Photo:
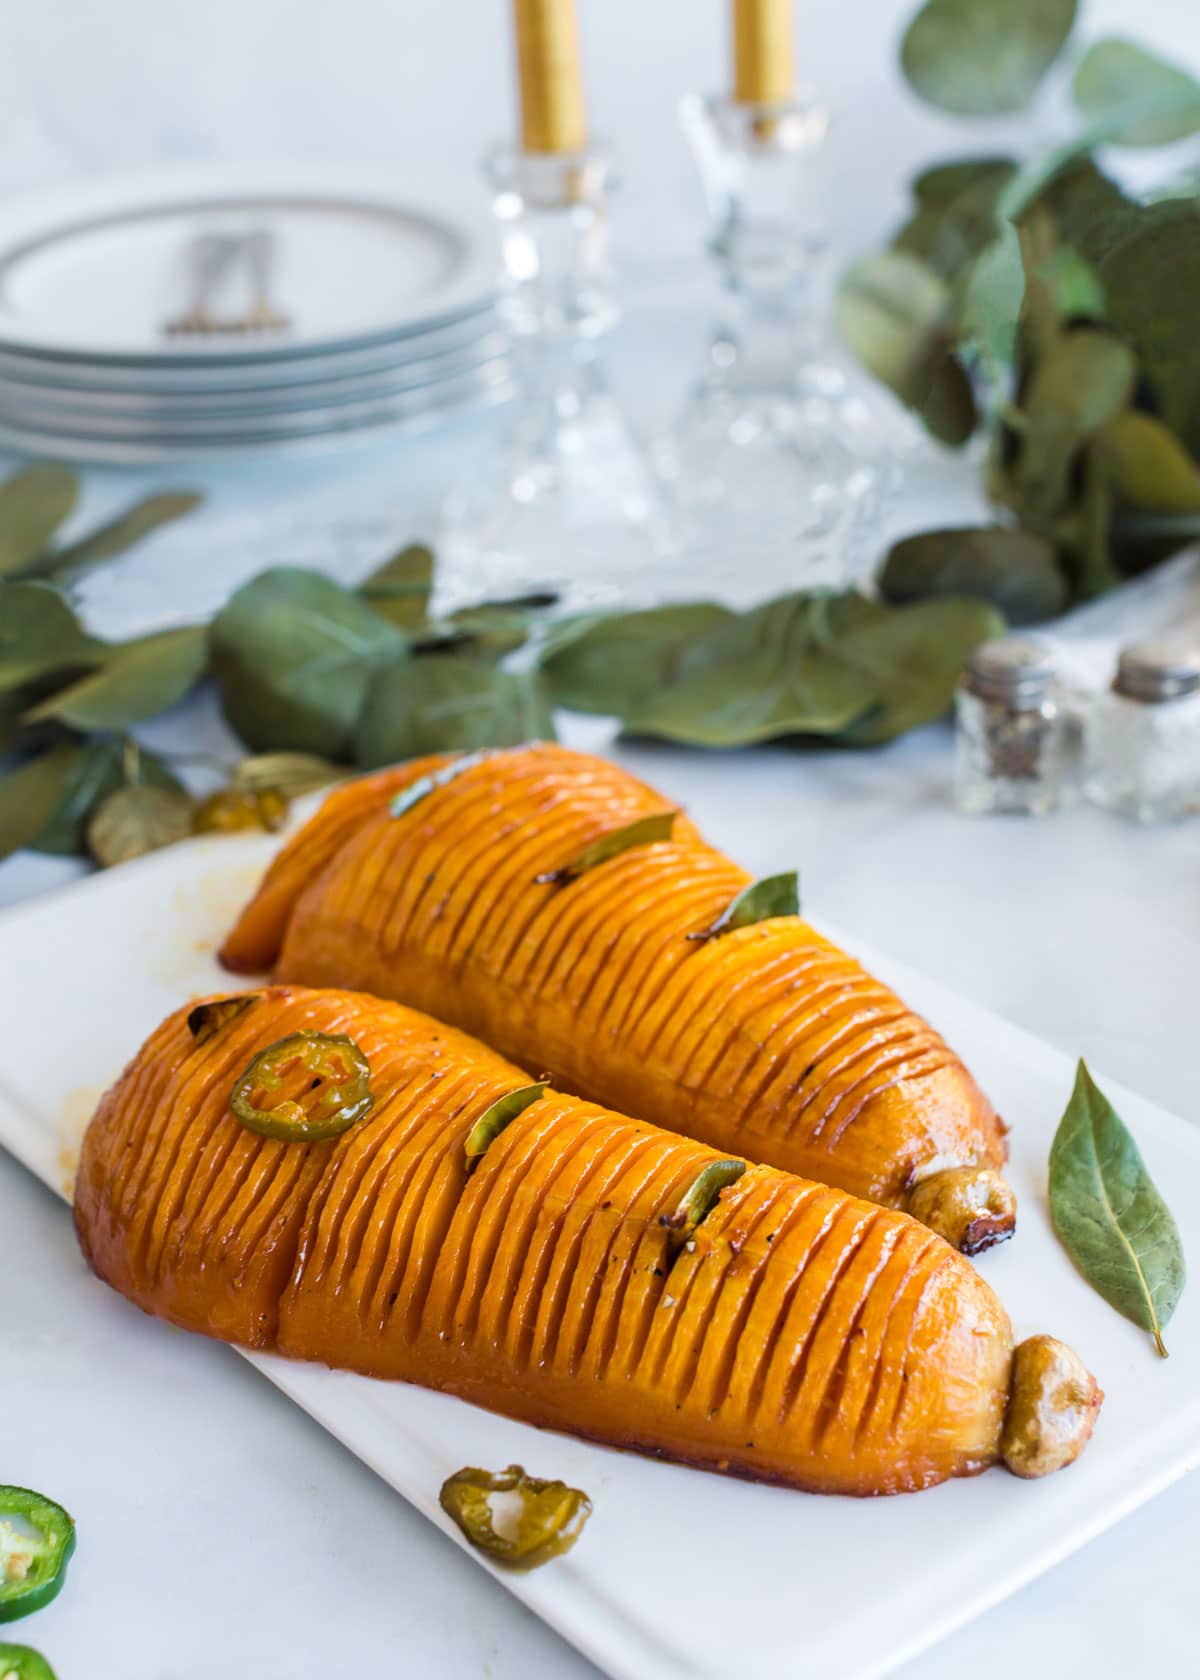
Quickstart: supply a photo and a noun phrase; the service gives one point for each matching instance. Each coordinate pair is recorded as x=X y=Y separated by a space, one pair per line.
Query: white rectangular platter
x=680 y=1575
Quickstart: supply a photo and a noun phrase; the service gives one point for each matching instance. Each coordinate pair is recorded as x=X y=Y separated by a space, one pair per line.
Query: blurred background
x=92 y=89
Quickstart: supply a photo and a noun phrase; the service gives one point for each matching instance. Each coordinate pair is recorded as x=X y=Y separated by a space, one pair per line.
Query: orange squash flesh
x=802 y=1337
x=767 y=1042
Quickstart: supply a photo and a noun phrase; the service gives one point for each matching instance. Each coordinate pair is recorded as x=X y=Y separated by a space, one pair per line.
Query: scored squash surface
x=801 y=1335
x=768 y=1041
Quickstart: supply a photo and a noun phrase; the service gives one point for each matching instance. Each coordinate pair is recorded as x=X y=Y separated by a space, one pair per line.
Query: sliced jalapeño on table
x=37 y=1538
x=22 y=1662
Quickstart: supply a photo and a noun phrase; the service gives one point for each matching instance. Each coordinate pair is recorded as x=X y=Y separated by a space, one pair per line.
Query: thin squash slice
x=546 y=1258
x=477 y=889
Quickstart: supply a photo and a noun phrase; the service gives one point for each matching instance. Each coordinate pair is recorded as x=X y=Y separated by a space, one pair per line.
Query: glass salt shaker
x=1142 y=738
x=1010 y=746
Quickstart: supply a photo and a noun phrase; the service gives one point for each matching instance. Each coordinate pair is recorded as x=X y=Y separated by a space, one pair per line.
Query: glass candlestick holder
x=770 y=436
x=570 y=502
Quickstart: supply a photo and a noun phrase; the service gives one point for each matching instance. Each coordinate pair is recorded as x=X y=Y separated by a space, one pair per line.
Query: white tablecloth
x=222 y=1531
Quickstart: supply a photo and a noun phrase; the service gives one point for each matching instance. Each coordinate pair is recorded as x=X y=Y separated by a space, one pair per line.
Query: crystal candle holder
x=570 y=503
x=768 y=436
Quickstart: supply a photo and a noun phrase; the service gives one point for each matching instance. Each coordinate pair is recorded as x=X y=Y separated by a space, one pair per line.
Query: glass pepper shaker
x=1142 y=737
x=1010 y=746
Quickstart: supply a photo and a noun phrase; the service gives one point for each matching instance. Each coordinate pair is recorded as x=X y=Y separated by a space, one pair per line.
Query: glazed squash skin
x=767 y=1041
x=804 y=1337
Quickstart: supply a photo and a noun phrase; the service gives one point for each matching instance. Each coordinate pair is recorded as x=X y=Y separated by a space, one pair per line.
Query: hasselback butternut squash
x=782 y=1330
x=765 y=1041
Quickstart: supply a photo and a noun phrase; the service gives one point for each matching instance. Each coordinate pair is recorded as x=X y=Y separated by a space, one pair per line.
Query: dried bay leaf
x=32 y=793
x=207 y=1019
x=1016 y=571
x=643 y=831
x=448 y=703
x=609 y=663
x=138 y=680
x=494 y=1119
x=119 y=534
x=699 y=1199
x=758 y=675
x=774 y=895
x=34 y=501
x=400 y=589
x=1109 y=1215
x=911 y=657
x=40 y=635
x=425 y=785
x=293 y=655
x=290 y=774
x=136 y=820
x=977 y=58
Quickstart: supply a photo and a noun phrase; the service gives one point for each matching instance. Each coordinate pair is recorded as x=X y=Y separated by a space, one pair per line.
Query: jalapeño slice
x=37 y=1538
x=551 y=1514
x=21 y=1662
x=308 y=1086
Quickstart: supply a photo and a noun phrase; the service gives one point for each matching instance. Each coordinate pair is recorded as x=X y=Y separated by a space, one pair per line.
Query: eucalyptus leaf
x=979 y=58
x=1090 y=557
x=135 y=820
x=1016 y=571
x=293 y=654
x=773 y=895
x=1074 y=284
x=40 y=636
x=291 y=774
x=1151 y=101
x=1081 y=384
x=991 y=307
x=493 y=1120
x=756 y=676
x=698 y=1201
x=644 y=831
x=118 y=535
x=955 y=218
x=32 y=793
x=425 y=785
x=99 y=768
x=34 y=501
x=893 y=312
x=1151 y=279
x=400 y=589
x=1146 y=465
x=448 y=703
x=1109 y=1215
x=941 y=185
x=137 y=680
x=610 y=664
x=12 y=704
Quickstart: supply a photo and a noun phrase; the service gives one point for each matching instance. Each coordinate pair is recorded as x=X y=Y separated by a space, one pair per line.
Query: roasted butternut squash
x=766 y=1041
x=776 y=1328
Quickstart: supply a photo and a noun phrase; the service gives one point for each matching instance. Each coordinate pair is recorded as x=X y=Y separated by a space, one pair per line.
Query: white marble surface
x=223 y=1531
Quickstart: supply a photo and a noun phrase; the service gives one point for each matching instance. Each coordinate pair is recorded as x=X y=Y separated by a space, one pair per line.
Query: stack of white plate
x=386 y=286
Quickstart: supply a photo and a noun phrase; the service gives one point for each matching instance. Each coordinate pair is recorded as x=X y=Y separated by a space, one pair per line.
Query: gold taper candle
x=551 y=82
x=763 y=52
